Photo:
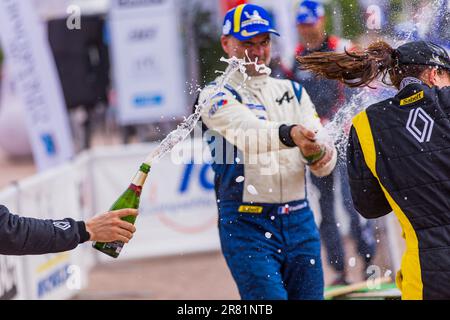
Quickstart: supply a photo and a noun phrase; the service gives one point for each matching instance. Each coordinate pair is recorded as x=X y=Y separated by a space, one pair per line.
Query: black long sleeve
x=368 y=197
x=23 y=236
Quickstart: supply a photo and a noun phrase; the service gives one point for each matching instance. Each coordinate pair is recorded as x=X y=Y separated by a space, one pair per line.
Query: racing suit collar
x=254 y=82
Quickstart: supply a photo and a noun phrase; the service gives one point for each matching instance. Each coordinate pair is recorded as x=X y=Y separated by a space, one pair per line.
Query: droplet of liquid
x=352 y=262
x=252 y=189
x=240 y=179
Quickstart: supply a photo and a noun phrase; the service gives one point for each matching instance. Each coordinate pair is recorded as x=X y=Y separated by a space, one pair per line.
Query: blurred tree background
x=347 y=18
x=352 y=18
x=210 y=51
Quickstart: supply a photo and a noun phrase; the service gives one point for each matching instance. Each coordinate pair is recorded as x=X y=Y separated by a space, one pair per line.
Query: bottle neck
x=138 y=181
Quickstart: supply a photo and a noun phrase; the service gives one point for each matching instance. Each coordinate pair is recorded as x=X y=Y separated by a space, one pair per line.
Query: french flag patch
x=283 y=210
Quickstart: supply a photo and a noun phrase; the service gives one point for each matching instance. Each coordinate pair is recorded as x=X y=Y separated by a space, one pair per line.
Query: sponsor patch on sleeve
x=414 y=98
x=216 y=106
x=250 y=209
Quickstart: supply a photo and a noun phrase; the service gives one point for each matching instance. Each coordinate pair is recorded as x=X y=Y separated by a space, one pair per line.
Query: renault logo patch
x=416 y=116
x=412 y=99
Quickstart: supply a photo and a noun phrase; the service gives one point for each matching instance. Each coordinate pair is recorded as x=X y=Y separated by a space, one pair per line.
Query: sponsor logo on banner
x=142 y=34
x=193 y=194
x=53 y=273
x=53 y=281
x=8 y=285
x=144 y=67
x=138 y=3
x=148 y=100
x=49 y=144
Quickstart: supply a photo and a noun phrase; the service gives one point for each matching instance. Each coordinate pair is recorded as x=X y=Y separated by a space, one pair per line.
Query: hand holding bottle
x=129 y=199
x=315 y=153
x=306 y=140
x=109 y=226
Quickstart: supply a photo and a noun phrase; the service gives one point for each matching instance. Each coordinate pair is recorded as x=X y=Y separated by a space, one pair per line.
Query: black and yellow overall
x=399 y=160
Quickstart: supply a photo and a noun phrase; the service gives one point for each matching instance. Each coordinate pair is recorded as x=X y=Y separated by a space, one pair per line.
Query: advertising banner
x=149 y=72
x=32 y=67
x=11 y=276
x=53 y=195
x=178 y=212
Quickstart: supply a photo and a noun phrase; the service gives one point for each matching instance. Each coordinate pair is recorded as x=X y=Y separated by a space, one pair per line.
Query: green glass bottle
x=129 y=199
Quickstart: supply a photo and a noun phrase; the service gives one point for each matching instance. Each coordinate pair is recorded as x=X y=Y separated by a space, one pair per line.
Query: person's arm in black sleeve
x=21 y=236
x=368 y=197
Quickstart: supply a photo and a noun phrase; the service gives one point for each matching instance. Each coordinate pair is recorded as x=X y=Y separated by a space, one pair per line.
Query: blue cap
x=247 y=21
x=310 y=12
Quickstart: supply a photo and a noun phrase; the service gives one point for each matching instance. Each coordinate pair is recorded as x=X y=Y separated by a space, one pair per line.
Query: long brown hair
x=359 y=68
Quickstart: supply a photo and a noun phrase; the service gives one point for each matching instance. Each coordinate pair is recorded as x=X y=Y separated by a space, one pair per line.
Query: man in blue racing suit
x=268 y=128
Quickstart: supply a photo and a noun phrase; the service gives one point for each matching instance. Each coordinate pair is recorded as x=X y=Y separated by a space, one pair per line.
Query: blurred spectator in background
x=328 y=96
x=82 y=60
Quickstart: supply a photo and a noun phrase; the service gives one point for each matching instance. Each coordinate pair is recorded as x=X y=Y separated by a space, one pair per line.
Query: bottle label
x=115 y=245
x=139 y=179
x=136 y=189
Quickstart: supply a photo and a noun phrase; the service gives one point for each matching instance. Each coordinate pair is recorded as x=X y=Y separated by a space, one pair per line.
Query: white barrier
x=177 y=212
x=86 y=201
x=12 y=283
x=177 y=215
x=52 y=195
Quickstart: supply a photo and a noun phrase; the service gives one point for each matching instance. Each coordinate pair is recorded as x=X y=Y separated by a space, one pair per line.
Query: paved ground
x=195 y=276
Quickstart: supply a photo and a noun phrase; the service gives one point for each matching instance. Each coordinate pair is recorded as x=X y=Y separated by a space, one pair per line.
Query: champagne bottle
x=129 y=199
